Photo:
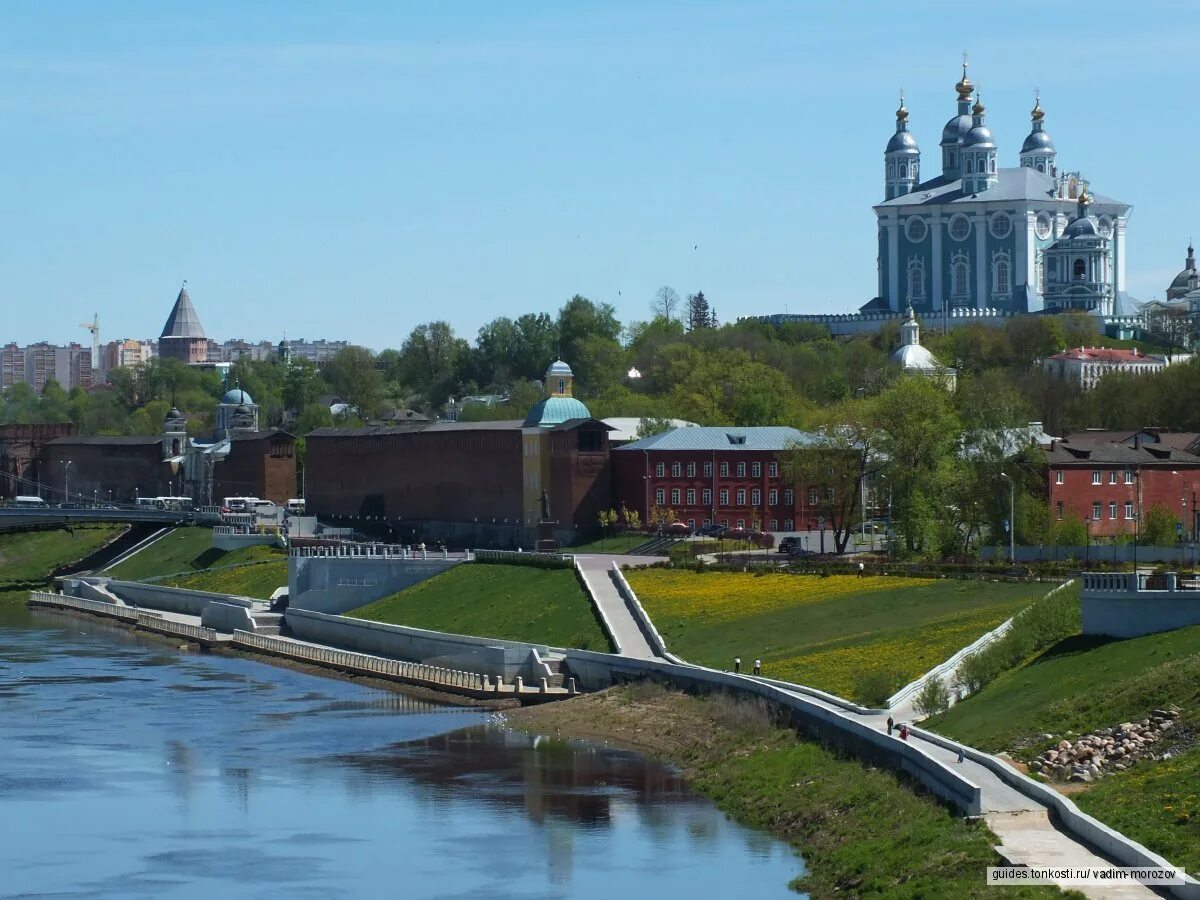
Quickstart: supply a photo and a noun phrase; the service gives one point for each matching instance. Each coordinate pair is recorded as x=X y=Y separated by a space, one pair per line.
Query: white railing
x=176 y=629
x=418 y=673
x=349 y=550
x=45 y=598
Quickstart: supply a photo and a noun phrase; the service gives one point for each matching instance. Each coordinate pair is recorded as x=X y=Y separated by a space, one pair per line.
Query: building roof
x=260 y=435
x=1021 y=183
x=110 y=440
x=1178 y=440
x=183 y=321
x=625 y=428
x=1114 y=355
x=236 y=397
x=1067 y=453
x=758 y=437
x=556 y=410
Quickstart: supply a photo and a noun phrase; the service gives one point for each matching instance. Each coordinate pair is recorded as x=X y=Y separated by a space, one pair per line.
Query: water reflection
x=134 y=770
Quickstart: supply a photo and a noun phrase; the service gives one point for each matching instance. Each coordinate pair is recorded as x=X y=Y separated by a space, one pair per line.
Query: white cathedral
x=977 y=236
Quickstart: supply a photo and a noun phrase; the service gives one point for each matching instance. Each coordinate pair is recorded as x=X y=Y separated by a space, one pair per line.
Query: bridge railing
x=46 y=598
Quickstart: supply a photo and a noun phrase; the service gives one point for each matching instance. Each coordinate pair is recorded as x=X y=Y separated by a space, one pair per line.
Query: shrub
x=874 y=686
x=933 y=698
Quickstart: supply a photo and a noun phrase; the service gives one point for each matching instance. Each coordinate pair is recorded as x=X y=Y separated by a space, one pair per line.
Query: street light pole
x=66 y=464
x=1012 y=508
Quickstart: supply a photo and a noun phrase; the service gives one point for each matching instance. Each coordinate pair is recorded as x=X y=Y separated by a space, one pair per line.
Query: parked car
x=678 y=528
x=788 y=544
x=713 y=530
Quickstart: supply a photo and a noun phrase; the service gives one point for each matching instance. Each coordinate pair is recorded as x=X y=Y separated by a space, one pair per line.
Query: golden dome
x=964 y=87
x=902 y=113
x=977 y=109
x=1037 y=114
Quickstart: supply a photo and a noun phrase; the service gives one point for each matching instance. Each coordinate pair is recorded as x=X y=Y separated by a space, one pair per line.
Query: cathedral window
x=1041 y=166
x=1041 y=273
x=916 y=280
x=960 y=227
x=970 y=166
x=1001 y=225
x=903 y=170
x=891 y=170
x=1042 y=226
x=915 y=229
x=960 y=277
x=1079 y=269
x=1001 y=275
x=992 y=165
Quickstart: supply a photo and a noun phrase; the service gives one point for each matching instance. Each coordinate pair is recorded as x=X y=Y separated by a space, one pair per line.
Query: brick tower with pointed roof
x=183 y=337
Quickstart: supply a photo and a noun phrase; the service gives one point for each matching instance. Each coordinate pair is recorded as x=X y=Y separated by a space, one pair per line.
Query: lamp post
x=66 y=464
x=1012 y=507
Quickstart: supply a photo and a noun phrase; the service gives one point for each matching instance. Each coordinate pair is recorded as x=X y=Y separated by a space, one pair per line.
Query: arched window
x=1001 y=278
x=1041 y=166
x=970 y=166
x=953 y=158
x=1079 y=269
x=992 y=164
x=916 y=282
x=562 y=385
x=891 y=170
x=903 y=170
x=961 y=279
x=175 y=447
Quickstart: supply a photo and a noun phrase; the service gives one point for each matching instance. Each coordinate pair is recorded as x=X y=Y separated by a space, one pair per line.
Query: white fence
x=132 y=615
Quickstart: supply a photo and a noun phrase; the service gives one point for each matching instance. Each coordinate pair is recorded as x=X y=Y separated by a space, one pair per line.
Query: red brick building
x=20 y=455
x=259 y=464
x=1110 y=479
x=107 y=467
x=712 y=475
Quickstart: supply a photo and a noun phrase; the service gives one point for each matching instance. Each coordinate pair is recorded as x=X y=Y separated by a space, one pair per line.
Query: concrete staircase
x=267 y=622
x=557 y=678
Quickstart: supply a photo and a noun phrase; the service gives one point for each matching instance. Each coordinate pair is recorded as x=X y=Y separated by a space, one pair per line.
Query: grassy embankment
x=616 y=543
x=518 y=603
x=863 y=831
x=857 y=637
x=689 y=550
x=27 y=558
x=1082 y=684
x=186 y=558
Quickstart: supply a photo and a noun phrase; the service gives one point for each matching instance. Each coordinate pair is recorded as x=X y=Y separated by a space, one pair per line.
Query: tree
x=429 y=361
x=1158 y=527
x=699 y=316
x=633 y=521
x=587 y=337
x=302 y=385
x=650 y=426
x=607 y=518
x=352 y=374
x=665 y=303
x=1078 y=329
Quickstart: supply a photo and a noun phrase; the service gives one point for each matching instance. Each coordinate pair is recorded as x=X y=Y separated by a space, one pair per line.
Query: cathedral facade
x=982 y=237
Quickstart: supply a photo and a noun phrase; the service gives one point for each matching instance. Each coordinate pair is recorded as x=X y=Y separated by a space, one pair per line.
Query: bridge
x=34 y=518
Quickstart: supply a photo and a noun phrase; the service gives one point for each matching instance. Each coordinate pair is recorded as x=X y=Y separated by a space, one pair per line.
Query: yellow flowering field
x=726 y=596
x=824 y=632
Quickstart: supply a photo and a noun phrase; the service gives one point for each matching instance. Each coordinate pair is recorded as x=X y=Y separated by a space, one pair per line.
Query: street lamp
x=1012 y=507
x=66 y=464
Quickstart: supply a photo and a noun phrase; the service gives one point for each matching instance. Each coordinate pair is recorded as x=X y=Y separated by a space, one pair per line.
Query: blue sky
x=349 y=170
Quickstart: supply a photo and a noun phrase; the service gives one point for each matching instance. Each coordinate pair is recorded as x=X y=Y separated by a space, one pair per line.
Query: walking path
x=597 y=569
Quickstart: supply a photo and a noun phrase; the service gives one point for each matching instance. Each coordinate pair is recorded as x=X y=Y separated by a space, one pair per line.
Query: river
x=129 y=768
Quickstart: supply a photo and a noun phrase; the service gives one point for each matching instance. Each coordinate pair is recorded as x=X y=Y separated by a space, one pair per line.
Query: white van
x=30 y=502
x=296 y=506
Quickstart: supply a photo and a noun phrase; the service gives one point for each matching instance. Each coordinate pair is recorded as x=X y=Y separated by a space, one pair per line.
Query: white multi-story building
x=1087 y=365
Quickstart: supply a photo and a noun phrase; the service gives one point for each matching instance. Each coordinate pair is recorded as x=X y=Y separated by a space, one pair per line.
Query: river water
x=131 y=769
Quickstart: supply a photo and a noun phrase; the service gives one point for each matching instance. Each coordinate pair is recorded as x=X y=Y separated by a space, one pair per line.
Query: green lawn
x=687 y=550
x=184 y=550
x=615 y=543
x=856 y=637
x=258 y=580
x=33 y=555
x=518 y=603
x=1081 y=684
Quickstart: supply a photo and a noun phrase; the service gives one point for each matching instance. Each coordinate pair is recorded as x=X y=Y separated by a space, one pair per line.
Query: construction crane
x=94 y=327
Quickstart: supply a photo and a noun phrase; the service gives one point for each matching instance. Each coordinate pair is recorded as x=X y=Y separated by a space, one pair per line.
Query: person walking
x=961 y=754
x=891 y=725
x=737 y=665
x=758 y=667
x=861 y=570
x=904 y=732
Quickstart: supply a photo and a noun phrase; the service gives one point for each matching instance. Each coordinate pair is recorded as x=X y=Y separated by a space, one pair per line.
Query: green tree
x=352 y=374
x=699 y=315
x=1158 y=526
x=587 y=338
x=430 y=360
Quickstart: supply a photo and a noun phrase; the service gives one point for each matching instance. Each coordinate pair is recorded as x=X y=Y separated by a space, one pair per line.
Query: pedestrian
x=758 y=667
x=904 y=732
x=737 y=664
x=961 y=754
x=861 y=570
x=891 y=725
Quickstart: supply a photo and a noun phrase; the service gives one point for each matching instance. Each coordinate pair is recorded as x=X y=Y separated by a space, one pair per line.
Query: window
x=812 y=496
x=741 y=523
x=724 y=523
x=1042 y=226
x=1058 y=477
x=970 y=165
x=691 y=497
x=961 y=284
x=756 y=470
x=692 y=524
x=562 y=385
x=829 y=495
x=1079 y=269
x=724 y=496
x=1096 y=510
x=741 y=470
x=960 y=227
x=691 y=470
x=1059 y=509
x=707 y=522
x=1095 y=476
x=1129 y=509
x=674 y=496
x=1001 y=276
x=773 y=469
x=774 y=524
x=706 y=497
x=676 y=470
x=724 y=470
x=741 y=496
x=903 y=170
x=1001 y=225
x=1112 y=509
x=788 y=497
x=773 y=497
x=756 y=497
x=789 y=525
x=1129 y=476
x=660 y=496
x=915 y=229
x=708 y=470
x=660 y=469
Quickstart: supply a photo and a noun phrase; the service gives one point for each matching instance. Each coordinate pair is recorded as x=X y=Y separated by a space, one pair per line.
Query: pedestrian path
x=597 y=569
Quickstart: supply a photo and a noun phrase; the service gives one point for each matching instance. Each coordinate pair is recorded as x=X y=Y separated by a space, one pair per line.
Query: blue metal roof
x=556 y=410
x=1022 y=183
x=759 y=437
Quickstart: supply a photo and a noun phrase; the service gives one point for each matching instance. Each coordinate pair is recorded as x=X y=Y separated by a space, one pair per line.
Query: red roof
x=1104 y=354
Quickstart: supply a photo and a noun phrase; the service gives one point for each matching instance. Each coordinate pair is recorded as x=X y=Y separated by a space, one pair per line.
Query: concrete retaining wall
x=1132 y=615
x=1115 y=845
x=506 y=659
x=337 y=584
x=227 y=617
x=180 y=600
x=227 y=538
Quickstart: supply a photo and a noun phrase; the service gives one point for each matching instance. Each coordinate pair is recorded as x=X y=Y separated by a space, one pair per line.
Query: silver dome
x=1038 y=141
x=902 y=141
x=980 y=138
x=1084 y=226
x=956 y=129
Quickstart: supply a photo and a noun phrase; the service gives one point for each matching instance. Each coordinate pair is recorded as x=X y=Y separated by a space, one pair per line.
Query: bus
x=30 y=502
x=173 y=503
x=295 y=506
x=239 y=504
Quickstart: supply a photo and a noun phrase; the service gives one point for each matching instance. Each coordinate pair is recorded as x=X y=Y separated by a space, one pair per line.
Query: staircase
x=656 y=546
x=267 y=622
x=557 y=679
